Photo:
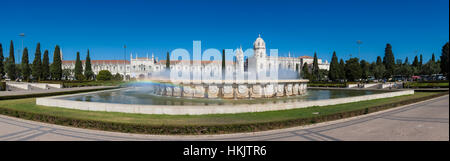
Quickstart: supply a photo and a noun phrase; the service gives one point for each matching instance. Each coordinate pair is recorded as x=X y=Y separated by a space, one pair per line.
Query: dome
x=259 y=43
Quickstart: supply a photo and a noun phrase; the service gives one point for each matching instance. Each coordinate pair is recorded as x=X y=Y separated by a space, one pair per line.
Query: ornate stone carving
x=213 y=91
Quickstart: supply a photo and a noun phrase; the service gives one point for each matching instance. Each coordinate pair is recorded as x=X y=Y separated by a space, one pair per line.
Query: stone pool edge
x=55 y=101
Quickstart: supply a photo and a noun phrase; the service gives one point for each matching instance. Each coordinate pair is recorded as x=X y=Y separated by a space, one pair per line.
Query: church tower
x=239 y=60
x=259 y=56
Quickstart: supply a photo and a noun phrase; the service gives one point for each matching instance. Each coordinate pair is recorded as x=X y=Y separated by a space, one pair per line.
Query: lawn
x=28 y=105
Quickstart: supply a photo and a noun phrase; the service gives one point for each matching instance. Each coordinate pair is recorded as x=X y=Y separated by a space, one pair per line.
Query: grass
x=28 y=105
x=426 y=84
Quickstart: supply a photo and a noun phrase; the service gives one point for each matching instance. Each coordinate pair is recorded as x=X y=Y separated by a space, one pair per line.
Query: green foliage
x=353 y=69
x=2 y=65
x=305 y=72
x=88 y=73
x=315 y=69
x=168 y=61
x=444 y=60
x=67 y=73
x=415 y=62
x=118 y=77
x=36 y=71
x=223 y=63
x=104 y=75
x=26 y=70
x=56 y=67
x=333 y=74
x=365 y=72
x=389 y=61
x=45 y=66
x=78 y=68
x=11 y=63
x=430 y=68
x=342 y=70
x=426 y=85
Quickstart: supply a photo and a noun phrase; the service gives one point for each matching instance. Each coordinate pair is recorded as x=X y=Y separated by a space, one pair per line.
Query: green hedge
x=2 y=86
x=425 y=85
x=206 y=129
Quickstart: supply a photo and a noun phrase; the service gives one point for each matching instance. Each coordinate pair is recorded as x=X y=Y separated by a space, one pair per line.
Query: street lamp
x=124 y=60
x=22 y=35
x=359 y=42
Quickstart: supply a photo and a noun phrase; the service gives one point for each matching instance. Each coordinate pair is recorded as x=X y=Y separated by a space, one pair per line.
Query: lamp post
x=359 y=42
x=22 y=35
x=124 y=60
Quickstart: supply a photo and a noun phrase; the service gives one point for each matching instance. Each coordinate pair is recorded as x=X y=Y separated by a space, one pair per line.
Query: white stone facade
x=139 y=67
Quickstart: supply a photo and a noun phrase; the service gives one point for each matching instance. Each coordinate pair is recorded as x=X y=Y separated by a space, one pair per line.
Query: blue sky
x=301 y=27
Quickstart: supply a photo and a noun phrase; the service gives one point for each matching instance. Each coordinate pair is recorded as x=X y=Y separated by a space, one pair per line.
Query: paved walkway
x=428 y=120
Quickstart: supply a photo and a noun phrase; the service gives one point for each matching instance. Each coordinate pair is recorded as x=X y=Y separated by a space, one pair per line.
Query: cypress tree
x=444 y=60
x=315 y=69
x=2 y=66
x=26 y=71
x=379 y=61
x=305 y=72
x=433 y=59
x=415 y=62
x=11 y=63
x=37 y=64
x=78 y=68
x=342 y=69
x=223 y=64
x=333 y=74
x=56 y=68
x=45 y=66
x=421 y=61
x=88 y=73
x=168 y=61
x=389 y=61
x=406 y=61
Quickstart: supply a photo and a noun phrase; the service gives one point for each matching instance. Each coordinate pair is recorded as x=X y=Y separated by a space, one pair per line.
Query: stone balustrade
x=231 y=89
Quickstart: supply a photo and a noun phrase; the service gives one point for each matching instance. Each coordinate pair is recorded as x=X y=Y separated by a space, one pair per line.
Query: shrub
x=104 y=75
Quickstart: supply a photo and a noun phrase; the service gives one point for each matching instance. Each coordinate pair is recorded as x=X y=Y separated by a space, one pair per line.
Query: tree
x=104 y=75
x=353 y=69
x=67 y=73
x=88 y=73
x=444 y=60
x=333 y=74
x=365 y=69
x=26 y=71
x=305 y=72
x=430 y=68
x=45 y=66
x=56 y=68
x=315 y=69
x=433 y=58
x=118 y=77
x=342 y=69
x=415 y=62
x=78 y=68
x=223 y=64
x=11 y=63
x=421 y=61
x=36 y=71
x=168 y=61
x=379 y=61
x=2 y=66
x=389 y=61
